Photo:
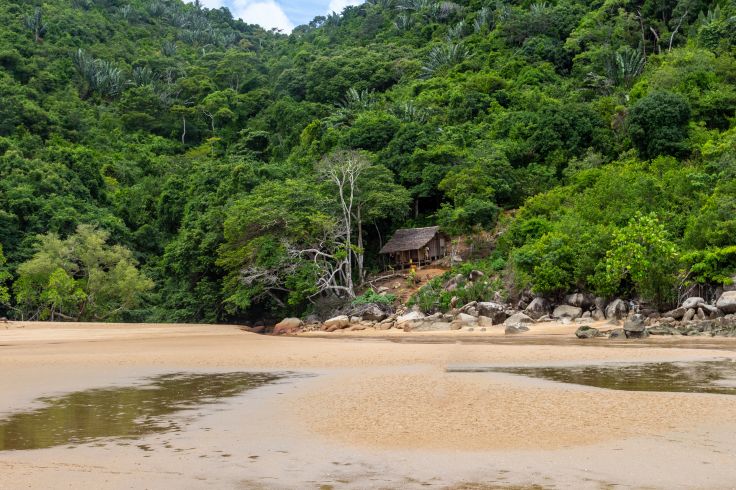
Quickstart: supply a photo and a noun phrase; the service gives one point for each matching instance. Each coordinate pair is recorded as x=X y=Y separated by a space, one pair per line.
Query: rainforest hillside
x=163 y=161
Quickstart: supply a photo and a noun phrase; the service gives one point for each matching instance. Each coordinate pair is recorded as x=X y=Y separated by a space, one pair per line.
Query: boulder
x=517 y=318
x=412 y=316
x=545 y=318
x=689 y=315
x=453 y=283
x=338 y=322
x=600 y=303
x=598 y=315
x=710 y=309
x=385 y=325
x=465 y=318
x=516 y=328
x=635 y=327
x=488 y=308
x=662 y=330
x=537 y=308
x=472 y=312
x=587 y=332
x=485 y=321
x=475 y=275
x=617 y=333
x=587 y=315
x=568 y=311
x=374 y=314
x=494 y=311
x=616 y=310
x=727 y=302
x=692 y=302
x=700 y=314
x=287 y=325
x=635 y=323
x=677 y=313
x=581 y=300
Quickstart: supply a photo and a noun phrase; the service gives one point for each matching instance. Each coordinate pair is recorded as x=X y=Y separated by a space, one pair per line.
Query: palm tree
x=35 y=24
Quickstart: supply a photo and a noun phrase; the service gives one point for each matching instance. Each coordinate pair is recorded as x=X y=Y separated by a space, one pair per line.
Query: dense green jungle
x=160 y=161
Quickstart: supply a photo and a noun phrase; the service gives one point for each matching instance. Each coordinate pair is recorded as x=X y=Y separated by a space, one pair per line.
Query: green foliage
x=433 y=297
x=371 y=296
x=4 y=277
x=642 y=256
x=79 y=278
x=192 y=139
x=711 y=266
x=658 y=124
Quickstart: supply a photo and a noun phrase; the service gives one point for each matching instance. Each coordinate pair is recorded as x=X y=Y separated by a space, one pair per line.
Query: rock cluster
x=693 y=317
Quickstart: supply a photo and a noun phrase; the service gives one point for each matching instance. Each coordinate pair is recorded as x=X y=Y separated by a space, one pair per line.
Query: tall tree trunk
x=360 y=255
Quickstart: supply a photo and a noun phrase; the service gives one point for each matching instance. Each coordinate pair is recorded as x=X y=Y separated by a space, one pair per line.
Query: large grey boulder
x=287 y=325
x=516 y=328
x=616 y=310
x=635 y=327
x=373 y=314
x=517 y=318
x=567 y=311
x=465 y=318
x=493 y=310
x=662 y=330
x=581 y=300
x=617 y=333
x=689 y=315
x=727 y=302
x=712 y=311
x=537 y=308
x=475 y=275
x=337 y=322
x=600 y=303
x=587 y=332
x=677 y=313
x=412 y=316
x=693 y=302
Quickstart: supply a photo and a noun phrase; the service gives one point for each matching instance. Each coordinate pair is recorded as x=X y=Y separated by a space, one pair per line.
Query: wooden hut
x=416 y=246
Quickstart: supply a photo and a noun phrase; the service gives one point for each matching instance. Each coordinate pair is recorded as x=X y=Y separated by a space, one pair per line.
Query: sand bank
x=378 y=412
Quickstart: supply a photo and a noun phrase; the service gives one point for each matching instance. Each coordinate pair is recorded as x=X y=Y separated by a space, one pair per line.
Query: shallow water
x=718 y=376
x=122 y=412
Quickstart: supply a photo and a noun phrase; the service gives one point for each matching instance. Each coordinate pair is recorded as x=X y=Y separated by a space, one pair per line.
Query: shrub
x=371 y=296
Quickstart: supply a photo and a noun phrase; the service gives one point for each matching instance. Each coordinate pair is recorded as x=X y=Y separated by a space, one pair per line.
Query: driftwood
x=383 y=278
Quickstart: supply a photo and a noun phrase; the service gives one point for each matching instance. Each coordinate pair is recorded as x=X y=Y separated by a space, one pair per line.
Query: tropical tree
x=79 y=278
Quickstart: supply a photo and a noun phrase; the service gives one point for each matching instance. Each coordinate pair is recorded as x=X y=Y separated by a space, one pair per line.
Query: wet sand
x=374 y=412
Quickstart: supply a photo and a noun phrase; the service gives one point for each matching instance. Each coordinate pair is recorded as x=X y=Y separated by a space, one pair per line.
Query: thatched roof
x=410 y=239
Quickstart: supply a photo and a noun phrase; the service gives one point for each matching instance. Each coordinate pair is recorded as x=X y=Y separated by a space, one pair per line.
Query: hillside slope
x=204 y=146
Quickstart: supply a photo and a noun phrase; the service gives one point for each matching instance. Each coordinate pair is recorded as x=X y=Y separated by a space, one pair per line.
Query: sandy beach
x=373 y=411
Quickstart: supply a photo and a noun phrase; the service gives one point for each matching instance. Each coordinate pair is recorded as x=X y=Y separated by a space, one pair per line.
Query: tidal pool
x=717 y=376
x=122 y=412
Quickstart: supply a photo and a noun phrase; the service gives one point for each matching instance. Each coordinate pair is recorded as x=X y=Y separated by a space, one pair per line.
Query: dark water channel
x=718 y=376
x=122 y=412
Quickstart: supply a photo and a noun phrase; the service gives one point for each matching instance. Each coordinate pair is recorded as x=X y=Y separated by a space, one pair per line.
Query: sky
x=282 y=14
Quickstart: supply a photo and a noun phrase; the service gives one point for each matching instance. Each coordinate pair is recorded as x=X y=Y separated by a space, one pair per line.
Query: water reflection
x=122 y=412
x=688 y=377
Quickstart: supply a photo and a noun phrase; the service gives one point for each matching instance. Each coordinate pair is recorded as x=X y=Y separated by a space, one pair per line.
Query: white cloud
x=339 y=5
x=266 y=13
